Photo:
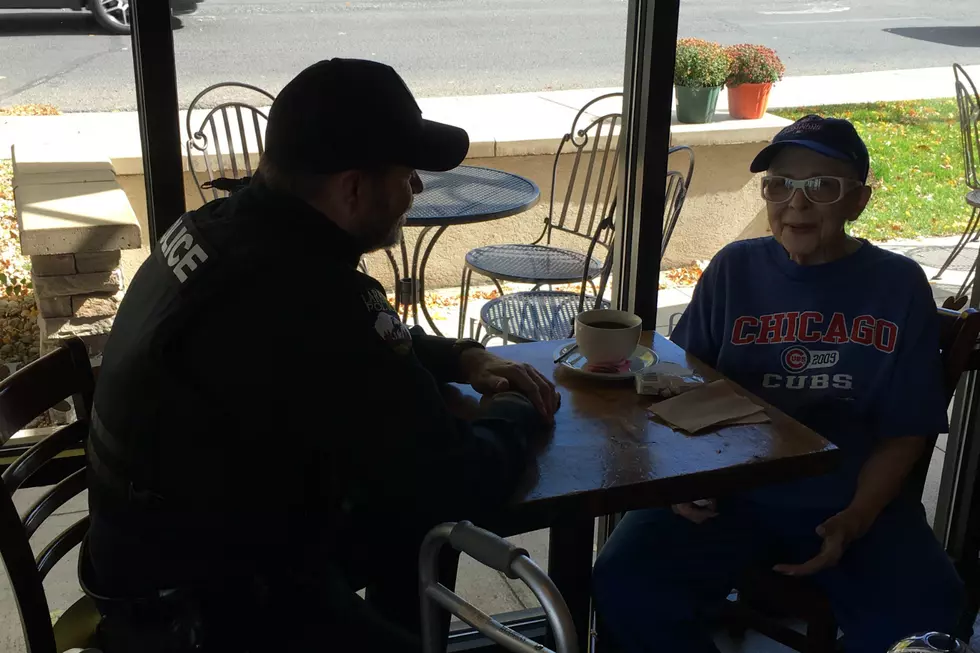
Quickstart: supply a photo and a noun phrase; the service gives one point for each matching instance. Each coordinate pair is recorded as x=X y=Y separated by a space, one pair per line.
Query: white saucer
x=642 y=358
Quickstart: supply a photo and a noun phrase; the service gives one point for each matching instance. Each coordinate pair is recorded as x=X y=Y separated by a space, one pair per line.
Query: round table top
x=470 y=194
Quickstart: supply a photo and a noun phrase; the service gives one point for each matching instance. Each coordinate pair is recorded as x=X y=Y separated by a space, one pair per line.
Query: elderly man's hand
x=489 y=374
x=837 y=532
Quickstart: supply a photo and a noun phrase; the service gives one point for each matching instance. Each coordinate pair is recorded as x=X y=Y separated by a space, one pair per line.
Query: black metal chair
x=550 y=315
x=968 y=101
x=593 y=139
x=24 y=395
x=226 y=135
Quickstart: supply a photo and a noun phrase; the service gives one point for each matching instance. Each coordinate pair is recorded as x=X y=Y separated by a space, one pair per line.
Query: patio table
x=607 y=456
x=463 y=195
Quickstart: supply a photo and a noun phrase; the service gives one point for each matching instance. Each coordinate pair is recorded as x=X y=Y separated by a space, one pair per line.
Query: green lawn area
x=916 y=165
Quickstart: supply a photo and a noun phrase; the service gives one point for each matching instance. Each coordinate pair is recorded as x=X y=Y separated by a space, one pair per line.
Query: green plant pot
x=696 y=105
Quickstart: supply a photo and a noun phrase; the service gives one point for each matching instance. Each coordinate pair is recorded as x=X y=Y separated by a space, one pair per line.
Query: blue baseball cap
x=833 y=137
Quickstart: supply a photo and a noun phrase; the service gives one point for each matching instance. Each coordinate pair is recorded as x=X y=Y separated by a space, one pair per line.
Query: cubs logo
x=798 y=359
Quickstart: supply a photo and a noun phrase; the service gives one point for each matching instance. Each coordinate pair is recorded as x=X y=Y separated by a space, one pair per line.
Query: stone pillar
x=74 y=222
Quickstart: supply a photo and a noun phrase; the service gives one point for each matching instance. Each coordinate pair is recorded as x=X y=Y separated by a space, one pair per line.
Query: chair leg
x=464 y=298
x=967 y=287
x=970 y=234
x=821 y=635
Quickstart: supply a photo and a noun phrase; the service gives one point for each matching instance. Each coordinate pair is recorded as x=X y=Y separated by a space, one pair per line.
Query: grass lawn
x=916 y=164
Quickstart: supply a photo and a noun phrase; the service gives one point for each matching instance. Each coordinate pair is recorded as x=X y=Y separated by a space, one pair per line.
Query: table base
x=410 y=276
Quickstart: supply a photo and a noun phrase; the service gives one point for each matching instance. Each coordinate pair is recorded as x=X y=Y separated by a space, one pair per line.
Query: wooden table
x=606 y=456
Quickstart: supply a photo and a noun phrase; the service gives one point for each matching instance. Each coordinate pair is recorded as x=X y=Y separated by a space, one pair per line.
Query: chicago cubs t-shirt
x=850 y=348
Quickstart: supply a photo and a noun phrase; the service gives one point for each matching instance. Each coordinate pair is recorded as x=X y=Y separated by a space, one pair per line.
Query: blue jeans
x=659 y=576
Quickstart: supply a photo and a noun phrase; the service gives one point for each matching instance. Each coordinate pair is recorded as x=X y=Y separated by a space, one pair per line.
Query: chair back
x=24 y=395
x=675 y=194
x=590 y=194
x=958 y=338
x=958 y=334
x=968 y=101
x=604 y=233
x=224 y=138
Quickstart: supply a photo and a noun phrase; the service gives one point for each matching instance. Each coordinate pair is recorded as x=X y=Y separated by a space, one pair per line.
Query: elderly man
x=268 y=437
x=843 y=336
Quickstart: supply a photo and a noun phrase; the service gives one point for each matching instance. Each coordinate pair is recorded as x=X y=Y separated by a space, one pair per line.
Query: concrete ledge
x=516 y=124
x=499 y=125
x=75 y=217
x=36 y=163
x=725 y=130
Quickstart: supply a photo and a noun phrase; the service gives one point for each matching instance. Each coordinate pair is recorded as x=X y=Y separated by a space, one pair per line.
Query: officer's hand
x=489 y=374
x=697 y=512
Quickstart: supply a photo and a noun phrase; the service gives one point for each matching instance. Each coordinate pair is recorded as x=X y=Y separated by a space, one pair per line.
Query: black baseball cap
x=346 y=114
x=833 y=137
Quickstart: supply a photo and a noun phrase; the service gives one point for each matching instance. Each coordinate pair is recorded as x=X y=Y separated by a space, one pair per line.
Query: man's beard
x=387 y=239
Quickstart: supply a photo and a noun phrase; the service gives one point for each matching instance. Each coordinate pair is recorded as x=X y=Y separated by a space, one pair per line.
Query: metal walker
x=497 y=553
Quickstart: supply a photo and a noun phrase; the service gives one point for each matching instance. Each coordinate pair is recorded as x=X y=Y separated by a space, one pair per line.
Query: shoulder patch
x=386 y=322
x=183 y=250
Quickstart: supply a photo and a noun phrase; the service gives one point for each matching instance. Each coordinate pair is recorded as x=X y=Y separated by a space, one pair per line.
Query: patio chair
x=499 y=554
x=24 y=395
x=766 y=599
x=549 y=314
x=968 y=101
x=593 y=141
x=226 y=135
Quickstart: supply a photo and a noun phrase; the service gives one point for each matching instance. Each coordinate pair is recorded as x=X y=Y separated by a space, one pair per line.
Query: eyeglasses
x=819 y=190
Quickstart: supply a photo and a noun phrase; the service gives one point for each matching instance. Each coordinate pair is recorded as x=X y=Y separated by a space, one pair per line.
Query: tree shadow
x=50 y=23
x=958 y=36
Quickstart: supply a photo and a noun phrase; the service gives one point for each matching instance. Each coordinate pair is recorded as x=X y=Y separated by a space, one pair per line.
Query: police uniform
x=268 y=436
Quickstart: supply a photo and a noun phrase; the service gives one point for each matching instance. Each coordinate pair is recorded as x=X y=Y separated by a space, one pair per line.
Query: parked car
x=113 y=15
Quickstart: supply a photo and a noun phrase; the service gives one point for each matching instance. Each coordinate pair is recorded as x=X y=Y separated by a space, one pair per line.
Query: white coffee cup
x=601 y=342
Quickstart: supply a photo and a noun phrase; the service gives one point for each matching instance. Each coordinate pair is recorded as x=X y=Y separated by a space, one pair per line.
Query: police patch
x=386 y=322
x=183 y=250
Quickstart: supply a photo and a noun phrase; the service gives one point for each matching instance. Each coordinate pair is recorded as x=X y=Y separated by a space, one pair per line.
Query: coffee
x=608 y=325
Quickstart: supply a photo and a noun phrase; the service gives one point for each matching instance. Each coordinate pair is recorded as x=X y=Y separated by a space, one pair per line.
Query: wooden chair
x=766 y=599
x=24 y=395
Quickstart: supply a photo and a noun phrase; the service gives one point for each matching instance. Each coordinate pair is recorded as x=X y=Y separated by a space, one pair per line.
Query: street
x=463 y=47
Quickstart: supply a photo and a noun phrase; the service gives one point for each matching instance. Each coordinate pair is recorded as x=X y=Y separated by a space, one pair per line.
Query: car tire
x=112 y=15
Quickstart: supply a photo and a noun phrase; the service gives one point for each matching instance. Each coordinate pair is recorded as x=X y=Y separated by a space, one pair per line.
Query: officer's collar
x=312 y=223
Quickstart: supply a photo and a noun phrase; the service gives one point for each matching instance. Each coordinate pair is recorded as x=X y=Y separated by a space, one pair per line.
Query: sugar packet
x=666 y=380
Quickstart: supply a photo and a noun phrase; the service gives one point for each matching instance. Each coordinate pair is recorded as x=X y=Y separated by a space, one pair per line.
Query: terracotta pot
x=748 y=101
x=696 y=105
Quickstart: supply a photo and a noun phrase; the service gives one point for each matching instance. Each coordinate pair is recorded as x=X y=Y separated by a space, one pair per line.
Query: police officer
x=268 y=437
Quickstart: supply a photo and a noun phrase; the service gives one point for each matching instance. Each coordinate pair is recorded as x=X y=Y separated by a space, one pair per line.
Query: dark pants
x=659 y=576
x=319 y=611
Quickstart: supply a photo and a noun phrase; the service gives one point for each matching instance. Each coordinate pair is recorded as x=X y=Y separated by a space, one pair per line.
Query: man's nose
x=798 y=200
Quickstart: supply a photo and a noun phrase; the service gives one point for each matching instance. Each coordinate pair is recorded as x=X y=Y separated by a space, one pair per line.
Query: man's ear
x=861 y=202
x=346 y=189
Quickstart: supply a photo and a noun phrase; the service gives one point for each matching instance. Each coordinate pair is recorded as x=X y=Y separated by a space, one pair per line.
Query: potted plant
x=754 y=69
x=700 y=70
